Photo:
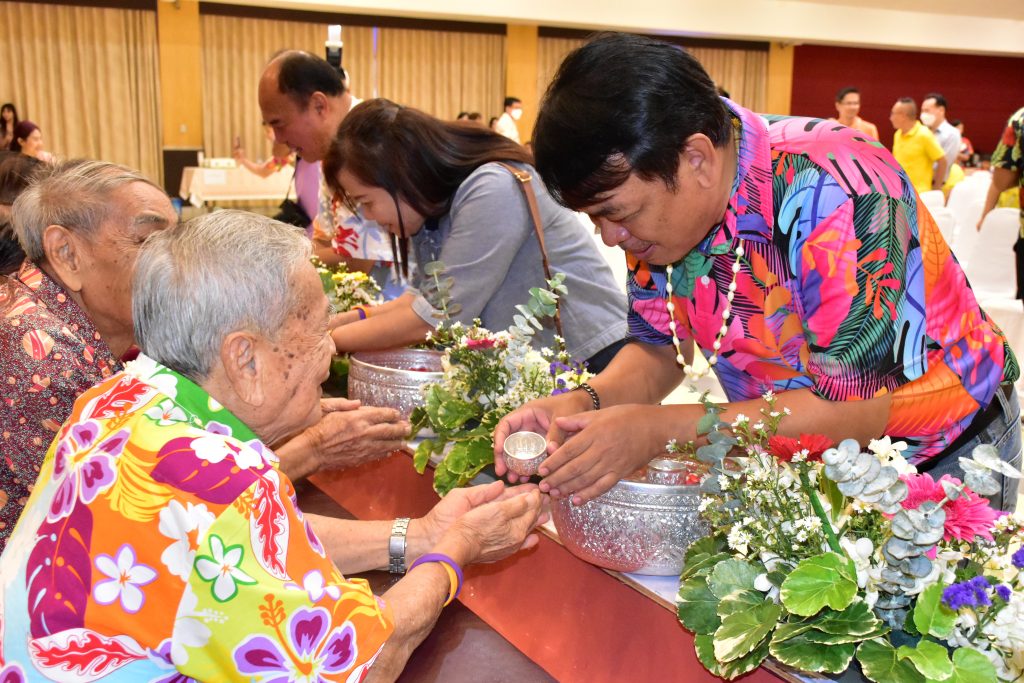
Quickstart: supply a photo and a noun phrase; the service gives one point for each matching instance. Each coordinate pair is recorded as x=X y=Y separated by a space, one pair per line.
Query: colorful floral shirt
x=162 y=543
x=50 y=352
x=1009 y=153
x=846 y=286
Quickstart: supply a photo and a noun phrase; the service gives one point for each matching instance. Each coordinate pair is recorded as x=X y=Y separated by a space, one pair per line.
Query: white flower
x=890 y=454
x=758 y=426
x=124 y=581
x=166 y=413
x=178 y=522
x=738 y=539
x=190 y=629
x=149 y=371
x=214 y=448
x=768 y=396
x=762 y=583
x=705 y=503
x=740 y=419
x=317 y=587
x=222 y=568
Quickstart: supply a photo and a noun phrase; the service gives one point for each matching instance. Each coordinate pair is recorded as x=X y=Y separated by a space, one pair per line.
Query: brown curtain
x=742 y=72
x=235 y=50
x=442 y=72
x=88 y=77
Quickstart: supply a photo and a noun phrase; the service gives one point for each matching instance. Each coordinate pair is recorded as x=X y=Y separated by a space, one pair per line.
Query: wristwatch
x=396 y=545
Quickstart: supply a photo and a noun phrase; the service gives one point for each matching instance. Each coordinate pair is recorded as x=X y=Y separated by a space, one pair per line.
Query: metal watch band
x=396 y=545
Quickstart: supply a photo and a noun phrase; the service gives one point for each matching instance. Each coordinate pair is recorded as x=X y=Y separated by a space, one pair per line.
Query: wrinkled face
x=849 y=106
x=299 y=360
x=33 y=144
x=139 y=209
x=654 y=223
x=376 y=204
x=307 y=131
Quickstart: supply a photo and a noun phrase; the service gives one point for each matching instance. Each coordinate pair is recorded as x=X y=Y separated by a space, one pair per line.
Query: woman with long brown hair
x=453 y=191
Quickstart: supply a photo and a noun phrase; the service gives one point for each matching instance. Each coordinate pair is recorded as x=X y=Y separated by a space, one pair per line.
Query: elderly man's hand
x=459 y=502
x=349 y=434
x=497 y=529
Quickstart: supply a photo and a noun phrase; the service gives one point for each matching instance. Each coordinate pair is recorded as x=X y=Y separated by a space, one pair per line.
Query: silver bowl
x=393 y=379
x=636 y=527
x=524 y=452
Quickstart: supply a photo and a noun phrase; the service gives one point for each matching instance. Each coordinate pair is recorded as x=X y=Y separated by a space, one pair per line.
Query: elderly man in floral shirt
x=66 y=324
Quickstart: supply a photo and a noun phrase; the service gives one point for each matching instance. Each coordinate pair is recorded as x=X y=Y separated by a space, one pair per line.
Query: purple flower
x=318 y=651
x=1004 y=592
x=84 y=467
x=1018 y=559
x=972 y=593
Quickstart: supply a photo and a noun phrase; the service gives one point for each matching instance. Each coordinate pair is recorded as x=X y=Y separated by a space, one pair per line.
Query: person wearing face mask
x=933 y=115
x=506 y=124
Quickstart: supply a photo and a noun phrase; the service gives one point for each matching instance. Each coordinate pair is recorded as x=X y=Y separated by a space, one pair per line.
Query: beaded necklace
x=691 y=373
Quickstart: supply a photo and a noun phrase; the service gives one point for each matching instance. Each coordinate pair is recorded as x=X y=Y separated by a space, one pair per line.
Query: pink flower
x=967 y=517
x=487 y=343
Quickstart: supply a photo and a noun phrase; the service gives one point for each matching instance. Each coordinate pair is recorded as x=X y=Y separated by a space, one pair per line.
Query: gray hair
x=213 y=275
x=74 y=194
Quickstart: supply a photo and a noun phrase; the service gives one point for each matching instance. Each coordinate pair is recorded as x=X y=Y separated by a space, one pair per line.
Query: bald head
x=903 y=114
x=303 y=99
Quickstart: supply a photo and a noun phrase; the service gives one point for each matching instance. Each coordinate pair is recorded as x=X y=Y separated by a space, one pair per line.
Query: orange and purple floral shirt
x=50 y=352
x=846 y=286
x=162 y=543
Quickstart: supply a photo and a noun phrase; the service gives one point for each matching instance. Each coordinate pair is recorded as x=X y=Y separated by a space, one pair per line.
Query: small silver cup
x=667 y=471
x=524 y=452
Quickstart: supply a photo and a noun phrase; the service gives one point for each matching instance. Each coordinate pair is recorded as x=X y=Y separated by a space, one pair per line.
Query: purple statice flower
x=1018 y=559
x=972 y=593
x=1004 y=592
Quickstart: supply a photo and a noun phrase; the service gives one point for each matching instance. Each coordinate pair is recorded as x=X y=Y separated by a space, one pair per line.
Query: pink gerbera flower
x=967 y=517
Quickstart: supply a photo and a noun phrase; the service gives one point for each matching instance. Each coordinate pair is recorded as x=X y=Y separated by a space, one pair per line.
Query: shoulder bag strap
x=526 y=186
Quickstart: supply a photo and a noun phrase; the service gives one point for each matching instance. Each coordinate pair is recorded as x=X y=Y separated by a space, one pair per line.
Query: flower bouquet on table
x=345 y=289
x=823 y=555
x=486 y=376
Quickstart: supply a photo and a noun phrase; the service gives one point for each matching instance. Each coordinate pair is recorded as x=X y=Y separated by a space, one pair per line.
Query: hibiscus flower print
x=186 y=525
x=166 y=413
x=147 y=370
x=124 y=581
x=84 y=466
x=215 y=448
x=222 y=569
x=307 y=651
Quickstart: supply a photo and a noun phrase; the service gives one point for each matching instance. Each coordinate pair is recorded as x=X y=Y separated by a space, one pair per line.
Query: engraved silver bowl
x=636 y=526
x=393 y=379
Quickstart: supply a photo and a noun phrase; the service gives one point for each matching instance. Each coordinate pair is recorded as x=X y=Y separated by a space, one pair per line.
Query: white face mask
x=516 y=114
x=928 y=119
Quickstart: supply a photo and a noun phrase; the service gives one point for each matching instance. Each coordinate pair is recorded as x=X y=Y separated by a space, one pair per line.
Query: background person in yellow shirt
x=916 y=148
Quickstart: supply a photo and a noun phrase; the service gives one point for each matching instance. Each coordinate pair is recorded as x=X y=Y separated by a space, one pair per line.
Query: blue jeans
x=1003 y=432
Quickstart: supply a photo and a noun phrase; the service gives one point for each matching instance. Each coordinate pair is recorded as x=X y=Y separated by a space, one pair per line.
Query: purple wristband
x=444 y=559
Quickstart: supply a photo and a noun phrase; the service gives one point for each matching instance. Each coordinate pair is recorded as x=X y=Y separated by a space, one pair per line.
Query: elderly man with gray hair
x=66 y=324
x=205 y=565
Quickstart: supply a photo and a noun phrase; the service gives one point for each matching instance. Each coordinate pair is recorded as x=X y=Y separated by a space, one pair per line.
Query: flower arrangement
x=345 y=288
x=486 y=375
x=823 y=554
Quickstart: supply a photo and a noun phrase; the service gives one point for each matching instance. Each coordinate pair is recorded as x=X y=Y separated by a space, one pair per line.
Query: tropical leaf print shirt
x=50 y=352
x=1009 y=153
x=846 y=286
x=162 y=543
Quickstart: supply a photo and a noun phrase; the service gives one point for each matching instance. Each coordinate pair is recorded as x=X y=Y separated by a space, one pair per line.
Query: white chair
x=967 y=199
x=933 y=199
x=991 y=268
x=946 y=222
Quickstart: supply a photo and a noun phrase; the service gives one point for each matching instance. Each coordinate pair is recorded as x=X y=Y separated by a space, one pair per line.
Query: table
x=206 y=185
x=575 y=621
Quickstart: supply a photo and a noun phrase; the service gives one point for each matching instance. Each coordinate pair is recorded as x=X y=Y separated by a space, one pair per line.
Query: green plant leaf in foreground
x=879 y=662
x=732 y=575
x=930 y=658
x=705 y=647
x=741 y=632
x=801 y=653
x=931 y=617
x=697 y=606
x=740 y=601
x=970 y=666
x=422 y=455
x=856 y=620
x=826 y=579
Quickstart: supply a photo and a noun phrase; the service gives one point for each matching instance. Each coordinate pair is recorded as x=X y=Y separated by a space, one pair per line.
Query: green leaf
x=827 y=579
x=697 y=606
x=970 y=666
x=707 y=423
x=703 y=565
x=930 y=658
x=740 y=601
x=822 y=638
x=705 y=647
x=835 y=498
x=732 y=575
x=803 y=654
x=432 y=268
x=709 y=545
x=857 y=619
x=791 y=630
x=931 y=617
x=457 y=459
x=444 y=479
x=879 y=663
x=743 y=631
x=422 y=455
